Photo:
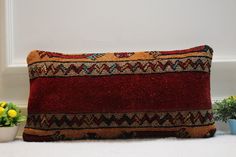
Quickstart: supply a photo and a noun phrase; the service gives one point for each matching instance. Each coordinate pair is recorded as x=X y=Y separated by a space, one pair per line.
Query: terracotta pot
x=8 y=133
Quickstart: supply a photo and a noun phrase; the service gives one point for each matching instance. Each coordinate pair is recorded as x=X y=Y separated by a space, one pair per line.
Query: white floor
x=218 y=146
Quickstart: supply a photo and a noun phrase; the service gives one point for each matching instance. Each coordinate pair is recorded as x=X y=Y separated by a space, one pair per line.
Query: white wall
x=115 y=25
x=105 y=25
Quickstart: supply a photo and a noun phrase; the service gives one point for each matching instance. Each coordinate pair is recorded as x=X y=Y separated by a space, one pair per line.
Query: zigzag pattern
x=96 y=120
x=108 y=68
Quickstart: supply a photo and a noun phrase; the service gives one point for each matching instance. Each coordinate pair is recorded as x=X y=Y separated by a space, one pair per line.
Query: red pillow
x=119 y=95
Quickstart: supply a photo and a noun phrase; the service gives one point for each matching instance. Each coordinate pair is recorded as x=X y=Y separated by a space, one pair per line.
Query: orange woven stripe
x=194 y=132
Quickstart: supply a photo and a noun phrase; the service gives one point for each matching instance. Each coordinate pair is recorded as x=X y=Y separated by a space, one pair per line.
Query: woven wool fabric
x=119 y=95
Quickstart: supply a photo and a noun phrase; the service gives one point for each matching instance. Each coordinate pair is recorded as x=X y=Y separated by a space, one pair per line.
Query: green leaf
x=21 y=119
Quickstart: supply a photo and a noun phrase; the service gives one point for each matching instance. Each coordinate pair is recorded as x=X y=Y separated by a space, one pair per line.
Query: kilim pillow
x=119 y=95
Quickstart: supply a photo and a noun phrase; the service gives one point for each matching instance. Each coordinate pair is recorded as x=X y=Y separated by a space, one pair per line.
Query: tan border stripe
x=199 y=131
x=144 y=55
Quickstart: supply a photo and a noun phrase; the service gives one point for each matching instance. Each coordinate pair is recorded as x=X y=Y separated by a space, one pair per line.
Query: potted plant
x=10 y=117
x=225 y=111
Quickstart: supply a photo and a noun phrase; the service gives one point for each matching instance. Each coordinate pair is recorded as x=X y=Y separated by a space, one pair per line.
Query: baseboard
x=22 y=125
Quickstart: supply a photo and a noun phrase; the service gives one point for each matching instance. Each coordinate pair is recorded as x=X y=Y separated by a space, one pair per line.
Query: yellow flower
x=234 y=97
x=3 y=104
x=12 y=113
x=1 y=110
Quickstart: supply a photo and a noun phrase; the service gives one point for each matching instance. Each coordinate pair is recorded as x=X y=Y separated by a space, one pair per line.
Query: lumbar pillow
x=119 y=95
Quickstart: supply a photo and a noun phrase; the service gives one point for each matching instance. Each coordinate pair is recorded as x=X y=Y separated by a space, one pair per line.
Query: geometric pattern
x=119 y=120
x=92 y=56
x=67 y=69
x=124 y=54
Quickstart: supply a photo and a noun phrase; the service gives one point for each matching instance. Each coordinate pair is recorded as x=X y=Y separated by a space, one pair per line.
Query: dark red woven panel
x=119 y=95
x=129 y=93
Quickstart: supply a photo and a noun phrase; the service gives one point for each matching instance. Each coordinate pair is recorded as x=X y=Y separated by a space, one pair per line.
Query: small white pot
x=8 y=133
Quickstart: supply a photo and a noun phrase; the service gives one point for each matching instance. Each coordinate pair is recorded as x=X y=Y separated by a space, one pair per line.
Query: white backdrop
x=121 y=25
x=115 y=25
